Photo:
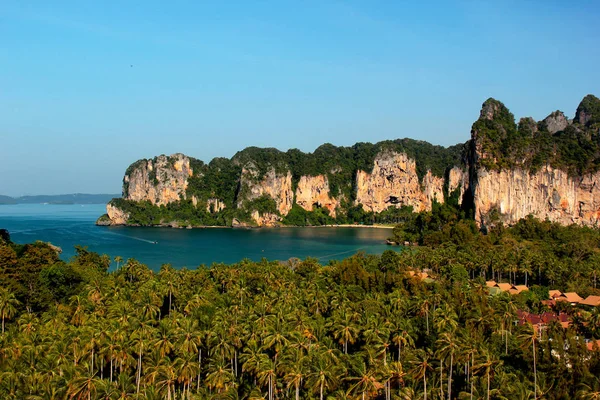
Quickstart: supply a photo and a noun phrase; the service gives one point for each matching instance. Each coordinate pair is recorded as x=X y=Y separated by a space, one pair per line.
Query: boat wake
x=134 y=238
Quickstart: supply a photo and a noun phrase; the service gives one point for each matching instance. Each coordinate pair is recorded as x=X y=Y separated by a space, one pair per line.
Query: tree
x=8 y=305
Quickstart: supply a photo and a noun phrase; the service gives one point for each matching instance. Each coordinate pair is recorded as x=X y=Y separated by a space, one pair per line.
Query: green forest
x=359 y=328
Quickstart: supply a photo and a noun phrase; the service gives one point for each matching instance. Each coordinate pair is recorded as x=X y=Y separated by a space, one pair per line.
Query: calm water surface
x=69 y=225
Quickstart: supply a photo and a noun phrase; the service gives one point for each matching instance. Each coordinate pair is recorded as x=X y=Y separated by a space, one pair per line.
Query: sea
x=69 y=225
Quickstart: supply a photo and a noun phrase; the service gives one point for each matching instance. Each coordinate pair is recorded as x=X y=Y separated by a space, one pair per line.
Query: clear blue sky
x=88 y=87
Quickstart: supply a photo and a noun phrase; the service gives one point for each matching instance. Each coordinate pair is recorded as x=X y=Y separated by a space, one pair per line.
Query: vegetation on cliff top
x=504 y=144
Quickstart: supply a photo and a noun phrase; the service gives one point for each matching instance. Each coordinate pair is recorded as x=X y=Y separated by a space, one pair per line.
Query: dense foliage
x=504 y=144
x=358 y=328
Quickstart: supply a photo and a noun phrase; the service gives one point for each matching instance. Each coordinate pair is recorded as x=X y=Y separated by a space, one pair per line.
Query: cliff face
x=314 y=191
x=394 y=182
x=274 y=185
x=116 y=215
x=161 y=181
x=549 y=193
x=508 y=170
x=524 y=178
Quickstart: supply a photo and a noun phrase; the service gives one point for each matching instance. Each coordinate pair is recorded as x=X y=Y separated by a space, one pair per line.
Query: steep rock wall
x=549 y=193
x=277 y=186
x=160 y=181
x=394 y=182
x=314 y=190
x=116 y=215
x=458 y=178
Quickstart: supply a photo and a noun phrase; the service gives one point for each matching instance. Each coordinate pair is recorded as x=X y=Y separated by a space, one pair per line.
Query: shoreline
x=255 y=227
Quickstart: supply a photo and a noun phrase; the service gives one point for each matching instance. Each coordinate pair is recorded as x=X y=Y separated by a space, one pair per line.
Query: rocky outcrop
x=160 y=181
x=458 y=179
x=394 y=182
x=275 y=185
x=556 y=122
x=313 y=191
x=266 y=219
x=549 y=193
x=214 y=205
x=116 y=215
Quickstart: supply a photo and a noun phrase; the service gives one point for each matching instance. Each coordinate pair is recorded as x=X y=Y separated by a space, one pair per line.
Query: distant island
x=74 y=198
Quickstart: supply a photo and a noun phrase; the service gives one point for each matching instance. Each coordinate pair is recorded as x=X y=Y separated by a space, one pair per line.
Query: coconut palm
x=8 y=305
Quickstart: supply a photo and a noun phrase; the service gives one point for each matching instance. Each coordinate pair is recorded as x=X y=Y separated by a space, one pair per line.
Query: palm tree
x=324 y=375
x=589 y=392
x=345 y=331
x=448 y=346
x=421 y=366
x=118 y=260
x=487 y=364
x=83 y=387
x=529 y=338
x=367 y=384
x=8 y=305
x=219 y=376
x=266 y=374
x=294 y=373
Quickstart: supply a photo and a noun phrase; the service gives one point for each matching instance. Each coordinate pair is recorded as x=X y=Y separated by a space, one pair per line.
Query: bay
x=69 y=225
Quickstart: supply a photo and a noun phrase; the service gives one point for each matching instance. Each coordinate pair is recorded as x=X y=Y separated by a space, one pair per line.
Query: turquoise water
x=70 y=225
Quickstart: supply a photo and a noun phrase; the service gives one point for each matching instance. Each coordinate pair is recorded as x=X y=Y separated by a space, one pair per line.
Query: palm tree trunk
x=297 y=390
x=534 y=372
x=139 y=373
x=2 y=321
x=472 y=365
x=488 y=383
x=199 y=370
x=92 y=366
x=111 y=367
x=450 y=378
x=441 y=379
x=425 y=384
x=321 y=391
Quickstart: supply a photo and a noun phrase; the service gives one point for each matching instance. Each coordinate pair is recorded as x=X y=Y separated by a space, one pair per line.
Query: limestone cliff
x=116 y=215
x=509 y=170
x=458 y=179
x=275 y=185
x=394 y=182
x=314 y=191
x=537 y=171
x=161 y=180
x=548 y=193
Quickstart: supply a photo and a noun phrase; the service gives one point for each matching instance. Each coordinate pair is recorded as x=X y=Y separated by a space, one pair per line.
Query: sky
x=88 y=87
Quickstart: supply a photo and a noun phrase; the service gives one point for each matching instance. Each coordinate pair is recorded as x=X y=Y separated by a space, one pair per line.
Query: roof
x=505 y=287
x=554 y=293
x=591 y=343
x=516 y=289
x=490 y=283
x=571 y=297
x=593 y=301
x=543 y=318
